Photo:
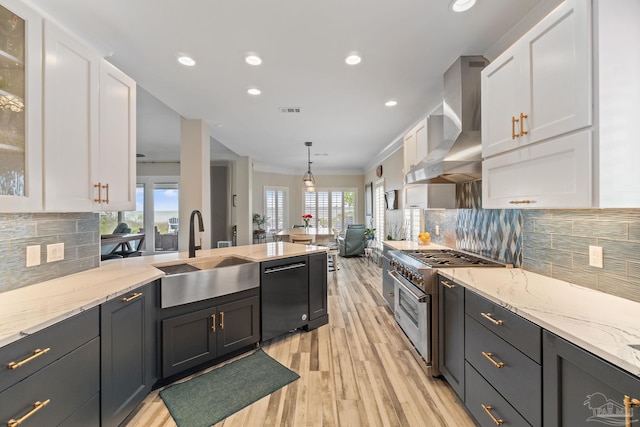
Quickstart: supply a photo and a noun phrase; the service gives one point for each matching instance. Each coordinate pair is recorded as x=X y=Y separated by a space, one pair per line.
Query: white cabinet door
x=117 y=138
x=409 y=150
x=21 y=115
x=424 y=196
x=541 y=87
x=415 y=145
x=553 y=174
x=71 y=122
x=558 y=73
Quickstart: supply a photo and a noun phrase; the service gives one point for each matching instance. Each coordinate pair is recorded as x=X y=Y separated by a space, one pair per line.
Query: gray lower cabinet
x=53 y=376
x=451 y=334
x=318 y=313
x=582 y=389
x=128 y=352
x=387 y=281
x=193 y=338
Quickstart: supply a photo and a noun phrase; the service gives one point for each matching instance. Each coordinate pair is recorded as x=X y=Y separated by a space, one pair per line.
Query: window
x=378 y=210
x=334 y=208
x=412 y=223
x=276 y=206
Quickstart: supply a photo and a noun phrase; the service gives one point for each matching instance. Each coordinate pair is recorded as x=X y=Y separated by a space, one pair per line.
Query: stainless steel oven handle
x=420 y=298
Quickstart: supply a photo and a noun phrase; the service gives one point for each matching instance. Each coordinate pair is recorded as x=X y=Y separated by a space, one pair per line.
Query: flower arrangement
x=306 y=218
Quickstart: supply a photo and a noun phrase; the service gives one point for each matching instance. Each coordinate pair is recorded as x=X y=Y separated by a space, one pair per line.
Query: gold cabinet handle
x=132 y=297
x=99 y=187
x=36 y=353
x=213 y=322
x=221 y=320
x=522 y=131
x=106 y=187
x=628 y=404
x=488 y=410
x=36 y=407
x=491 y=319
x=490 y=358
x=514 y=135
x=390 y=294
x=522 y=202
x=447 y=284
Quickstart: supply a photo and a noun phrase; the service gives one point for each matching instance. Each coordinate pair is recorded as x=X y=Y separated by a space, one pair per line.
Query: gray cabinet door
x=582 y=389
x=128 y=352
x=188 y=340
x=387 y=284
x=317 y=286
x=238 y=325
x=451 y=334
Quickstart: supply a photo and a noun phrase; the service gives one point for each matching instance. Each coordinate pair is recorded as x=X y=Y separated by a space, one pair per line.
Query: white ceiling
x=406 y=45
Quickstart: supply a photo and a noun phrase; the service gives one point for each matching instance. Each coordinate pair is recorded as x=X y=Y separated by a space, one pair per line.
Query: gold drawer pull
x=489 y=357
x=36 y=407
x=491 y=319
x=521 y=202
x=514 y=135
x=99 y=187
x=106 y=186
x=221 y=320
x=132 y=297
x=522 y=131
x=213 y=322
x=488 y=410
x=628 y=404
x=36 y=353
x=447 y=284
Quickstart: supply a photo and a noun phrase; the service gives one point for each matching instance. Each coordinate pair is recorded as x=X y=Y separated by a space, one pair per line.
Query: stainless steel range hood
x=459 y=157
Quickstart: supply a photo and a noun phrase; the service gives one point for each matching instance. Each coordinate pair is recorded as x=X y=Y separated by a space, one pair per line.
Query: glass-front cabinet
x=20 y=108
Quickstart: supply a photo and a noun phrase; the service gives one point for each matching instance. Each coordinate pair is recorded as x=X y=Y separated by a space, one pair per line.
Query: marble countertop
x=30 y=309
x=603 y=324
x=404 y=245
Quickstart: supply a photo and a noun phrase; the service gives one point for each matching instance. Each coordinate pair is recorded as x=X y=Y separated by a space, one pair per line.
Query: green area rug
x=211 y=397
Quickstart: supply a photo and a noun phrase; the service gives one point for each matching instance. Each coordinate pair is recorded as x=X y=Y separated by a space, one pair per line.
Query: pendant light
x=308 y=177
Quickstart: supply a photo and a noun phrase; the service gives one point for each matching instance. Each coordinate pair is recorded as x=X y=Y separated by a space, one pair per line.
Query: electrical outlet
x=595 y=256
x=33 y=255
x=437 y=230
x=55 y=252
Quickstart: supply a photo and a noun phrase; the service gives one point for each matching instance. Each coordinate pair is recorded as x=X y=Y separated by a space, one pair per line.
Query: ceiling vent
x=290 y=110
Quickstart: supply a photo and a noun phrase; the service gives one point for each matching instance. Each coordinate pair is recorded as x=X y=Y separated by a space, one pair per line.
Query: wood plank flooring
x=359 y=370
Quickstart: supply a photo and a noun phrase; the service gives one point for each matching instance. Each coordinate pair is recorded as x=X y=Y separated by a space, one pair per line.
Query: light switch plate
x=595 y=256
x=33 y=255
x=55 y=252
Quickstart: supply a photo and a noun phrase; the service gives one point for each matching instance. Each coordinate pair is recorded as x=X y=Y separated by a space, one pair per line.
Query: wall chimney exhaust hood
x=458 y=158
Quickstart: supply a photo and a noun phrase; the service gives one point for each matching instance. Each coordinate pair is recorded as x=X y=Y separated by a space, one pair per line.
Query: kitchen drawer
x=519 y=332
x=519 y=380
x=87 y=416
x=479 y=392
x=67 y=383
x=60 y=338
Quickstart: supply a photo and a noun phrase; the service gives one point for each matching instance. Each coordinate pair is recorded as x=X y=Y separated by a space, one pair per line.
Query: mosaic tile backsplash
x=78 y=231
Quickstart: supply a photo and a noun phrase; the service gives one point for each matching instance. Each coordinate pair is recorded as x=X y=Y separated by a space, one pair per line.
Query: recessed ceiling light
x=353 y=59
x=391 y=103
x=186 y=60
x=462 y=5
x=253 y=59
x=254 y=91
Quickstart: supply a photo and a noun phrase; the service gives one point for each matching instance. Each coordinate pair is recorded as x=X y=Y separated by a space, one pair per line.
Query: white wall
x=393 y=180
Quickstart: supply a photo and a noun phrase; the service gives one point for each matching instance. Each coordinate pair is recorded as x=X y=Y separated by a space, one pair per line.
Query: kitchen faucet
x=192 y=243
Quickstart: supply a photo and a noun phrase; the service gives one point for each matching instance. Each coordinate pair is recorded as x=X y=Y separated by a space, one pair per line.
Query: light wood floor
x=359 y=370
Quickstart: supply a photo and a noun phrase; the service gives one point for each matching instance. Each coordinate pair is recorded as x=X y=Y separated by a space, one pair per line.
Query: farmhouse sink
x=198 y=280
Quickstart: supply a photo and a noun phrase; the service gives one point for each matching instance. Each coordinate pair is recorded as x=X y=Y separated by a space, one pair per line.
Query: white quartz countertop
x=603 y=324
x=30 y=309
x=405 y=245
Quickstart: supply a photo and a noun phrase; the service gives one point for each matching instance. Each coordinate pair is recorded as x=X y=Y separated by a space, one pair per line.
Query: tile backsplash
x=553 y=243
x=78 y=231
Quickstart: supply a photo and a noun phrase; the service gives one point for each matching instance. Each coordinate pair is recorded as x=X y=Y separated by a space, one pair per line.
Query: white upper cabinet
x=21 y=112
x=541 y=87
x=71 y=132
x=90 y=128
x=567 y=137
x=415 y=145
x=117 y=139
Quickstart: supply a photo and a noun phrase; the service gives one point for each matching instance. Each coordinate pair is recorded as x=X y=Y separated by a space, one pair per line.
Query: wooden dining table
x=317 y=235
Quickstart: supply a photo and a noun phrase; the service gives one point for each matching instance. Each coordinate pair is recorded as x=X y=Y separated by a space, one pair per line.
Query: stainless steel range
x=415 y=277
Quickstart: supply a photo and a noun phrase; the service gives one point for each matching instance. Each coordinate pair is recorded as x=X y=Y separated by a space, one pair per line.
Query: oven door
x=412 y=313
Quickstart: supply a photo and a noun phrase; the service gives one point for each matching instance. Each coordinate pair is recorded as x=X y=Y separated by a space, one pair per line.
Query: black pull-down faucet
x=192 y=243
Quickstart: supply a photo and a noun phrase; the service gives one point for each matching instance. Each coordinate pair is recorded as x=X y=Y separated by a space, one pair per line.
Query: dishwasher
x=284 y=293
